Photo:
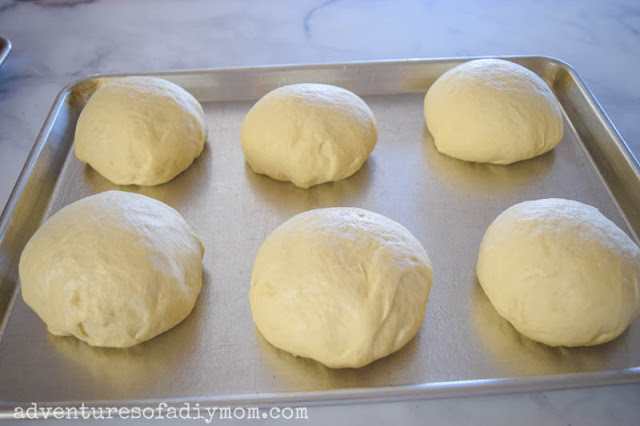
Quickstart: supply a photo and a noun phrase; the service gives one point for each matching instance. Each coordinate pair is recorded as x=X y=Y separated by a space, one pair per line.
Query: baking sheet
x=216 y=354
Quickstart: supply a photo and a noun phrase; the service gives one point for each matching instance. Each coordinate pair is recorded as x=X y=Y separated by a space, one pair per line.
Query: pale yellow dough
x=561 y=272
x=140 y=130
x=308 y=134
x=113 y=269
x=343 y=286
x=492 y=111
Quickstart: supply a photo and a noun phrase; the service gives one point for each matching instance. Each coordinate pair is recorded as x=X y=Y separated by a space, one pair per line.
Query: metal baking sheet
x=5 y=48
x=216 y=354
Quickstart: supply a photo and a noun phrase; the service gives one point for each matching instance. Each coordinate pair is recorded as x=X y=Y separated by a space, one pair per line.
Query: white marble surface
x=56 y=42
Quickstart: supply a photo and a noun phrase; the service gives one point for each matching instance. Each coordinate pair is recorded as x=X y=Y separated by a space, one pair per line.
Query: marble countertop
x=56 y=42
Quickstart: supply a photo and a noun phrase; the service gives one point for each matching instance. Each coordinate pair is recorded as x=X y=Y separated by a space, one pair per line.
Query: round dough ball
x=561 y=272
x=343 y=286
x=308 y=134
x=492 y=111
x=113 y=269
x=140 y=131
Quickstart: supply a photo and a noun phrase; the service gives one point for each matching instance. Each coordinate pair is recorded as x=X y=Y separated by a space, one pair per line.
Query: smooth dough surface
x=308 y=134
x=140 y=130
x=492 y=111
x=113 y=269
x=561 y=272
x=343 y=286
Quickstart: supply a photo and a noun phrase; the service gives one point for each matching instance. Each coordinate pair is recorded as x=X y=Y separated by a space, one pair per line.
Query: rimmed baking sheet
x=216 y=354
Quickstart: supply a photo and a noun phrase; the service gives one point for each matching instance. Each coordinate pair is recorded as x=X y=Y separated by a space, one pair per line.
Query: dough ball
x=113 y=269
x=492 y=111
x=140 y=131
x=343 y=286
x=561 y=272
x=308 y=134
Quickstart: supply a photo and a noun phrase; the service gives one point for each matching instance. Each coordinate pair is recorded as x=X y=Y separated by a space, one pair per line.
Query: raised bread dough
x=140 y=130
x=561 y=272
x=343 y=286
x=113 y=269
x=308 y=134
x=492 y=111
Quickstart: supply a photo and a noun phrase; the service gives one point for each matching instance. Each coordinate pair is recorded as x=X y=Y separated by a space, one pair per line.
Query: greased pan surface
x=216 y=354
